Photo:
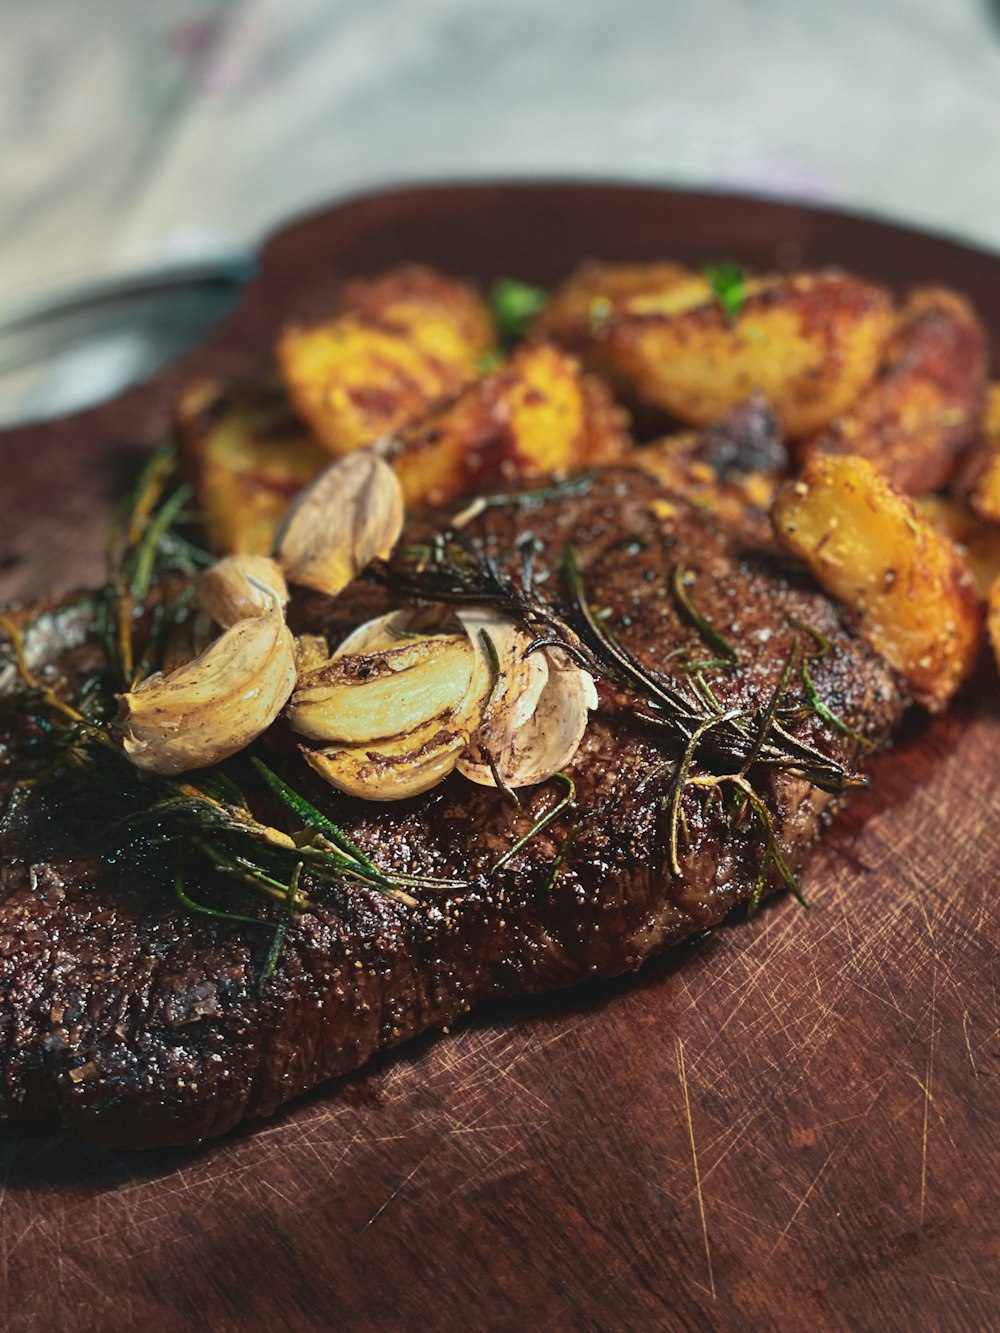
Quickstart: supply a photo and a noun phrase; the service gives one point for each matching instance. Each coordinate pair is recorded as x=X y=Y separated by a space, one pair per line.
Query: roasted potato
x=247 y=456
x=576 y=310
x=978 y=542
x=906 y=582
x=535 y=417
x=985 y=497
x=810 y=341
x=400 y=345
x=923 y=412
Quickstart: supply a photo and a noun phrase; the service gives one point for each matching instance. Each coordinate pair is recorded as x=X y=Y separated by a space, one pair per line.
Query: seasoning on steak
x=140 y=1024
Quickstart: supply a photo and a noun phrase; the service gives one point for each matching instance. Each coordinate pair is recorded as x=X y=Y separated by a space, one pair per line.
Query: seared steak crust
x=141 y=1025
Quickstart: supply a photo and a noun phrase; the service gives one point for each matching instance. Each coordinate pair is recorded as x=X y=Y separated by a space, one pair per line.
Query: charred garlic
x=397 y=707
x=393 y=717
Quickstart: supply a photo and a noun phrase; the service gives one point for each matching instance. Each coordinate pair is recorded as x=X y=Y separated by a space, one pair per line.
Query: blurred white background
x=137 y=133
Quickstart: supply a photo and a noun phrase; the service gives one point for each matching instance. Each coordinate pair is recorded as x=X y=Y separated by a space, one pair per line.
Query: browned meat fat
x=139 y=1024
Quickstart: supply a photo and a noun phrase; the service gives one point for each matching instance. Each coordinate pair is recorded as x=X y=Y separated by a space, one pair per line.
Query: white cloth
x=133 y=133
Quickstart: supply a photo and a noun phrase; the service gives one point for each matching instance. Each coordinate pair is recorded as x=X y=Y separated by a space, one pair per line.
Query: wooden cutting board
x=790 y=1124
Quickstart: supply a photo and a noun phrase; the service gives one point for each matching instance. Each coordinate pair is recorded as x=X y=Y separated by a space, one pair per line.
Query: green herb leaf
x=682 y=579
x=514 y=306
x=728 y=283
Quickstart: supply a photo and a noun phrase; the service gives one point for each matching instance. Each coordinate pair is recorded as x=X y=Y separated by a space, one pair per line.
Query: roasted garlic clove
x=311 y=651
x=480 y=702
x=240 y=586
x=394 y=769
x=214 y=705
x=351 y=515
x=514 y=681
x=399 y=627
x=362 y=698
x=550 y=738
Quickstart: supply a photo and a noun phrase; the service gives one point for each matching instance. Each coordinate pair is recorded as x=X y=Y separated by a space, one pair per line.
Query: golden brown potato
x=810 y=341
x=577 y=308
x=401 y=344
x=536 y=417
x=978 y=542
x=985 y=497
x=993 y=620
x=865 y=544
x=247 y=457
x=923 y=412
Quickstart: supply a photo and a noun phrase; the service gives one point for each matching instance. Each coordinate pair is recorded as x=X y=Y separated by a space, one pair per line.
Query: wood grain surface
x=790 y=1124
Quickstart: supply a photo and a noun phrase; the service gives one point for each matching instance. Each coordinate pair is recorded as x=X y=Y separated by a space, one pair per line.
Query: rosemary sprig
x=456 y=572
x=681 y=781
x=313 y=818
x=727 y=744
x=78 y=762
x=278 y=943
x=681 y=580
x=186 y=901
x=559 y=490
x=541 y=824
x=823 y=710
x=561 y=855
x=142 y=545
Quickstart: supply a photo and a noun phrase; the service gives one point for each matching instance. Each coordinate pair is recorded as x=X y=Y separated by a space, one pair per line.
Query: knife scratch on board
x=682 y=1074
x=398 y=1190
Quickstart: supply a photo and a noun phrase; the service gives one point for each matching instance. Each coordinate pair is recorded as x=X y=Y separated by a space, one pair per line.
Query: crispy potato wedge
x=247 y=456
x=810 y=341
x=985 y=496
x=977 y=541
x=401 y=344
x=534 y=418
x=905 y=581
x=993 y=619
x=923 y=411
x=732 y=469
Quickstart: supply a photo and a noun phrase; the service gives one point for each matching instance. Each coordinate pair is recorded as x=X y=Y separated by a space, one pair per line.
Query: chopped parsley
x=514 y=305
x=729 y=286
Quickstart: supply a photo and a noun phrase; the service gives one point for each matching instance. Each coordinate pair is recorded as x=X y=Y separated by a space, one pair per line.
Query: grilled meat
x=141 y=1024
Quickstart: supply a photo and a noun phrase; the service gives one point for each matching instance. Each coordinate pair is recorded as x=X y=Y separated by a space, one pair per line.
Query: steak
x=138 y=1023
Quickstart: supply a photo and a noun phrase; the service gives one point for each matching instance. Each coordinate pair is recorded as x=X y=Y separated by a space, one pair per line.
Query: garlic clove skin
x=548 y=740
x=391 y=770
x=351 y=515
x=215 y=705
x=513 y=688
x=360 y=699
x=240 y=586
